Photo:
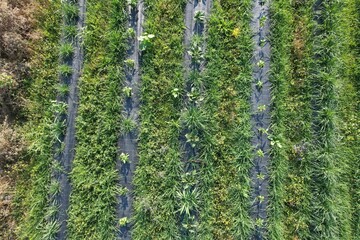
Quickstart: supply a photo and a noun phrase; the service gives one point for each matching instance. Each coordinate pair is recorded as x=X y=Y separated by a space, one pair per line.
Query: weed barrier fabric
x=260 y=101
x=193 y=28
x=69 y=140
x=128 y=141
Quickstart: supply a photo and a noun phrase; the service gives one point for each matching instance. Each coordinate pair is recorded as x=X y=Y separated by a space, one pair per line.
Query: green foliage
x=157 y=177
x=65 y=70
x=66 y=50
x=32 y=190
x=225 y=149
x=92 y=213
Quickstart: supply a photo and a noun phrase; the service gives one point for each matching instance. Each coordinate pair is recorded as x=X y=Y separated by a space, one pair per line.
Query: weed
x=66 y=50
x=65 y=70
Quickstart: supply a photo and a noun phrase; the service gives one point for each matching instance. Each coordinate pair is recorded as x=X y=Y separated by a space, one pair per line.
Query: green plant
x=261 y=108
x=260 y=153
x=263 y=21
x=123 y=221
x=175 y=92
x=130 y=63
x=146 y=41
x=259 y=84
x=199 y=16
x=260 y=64
x=127 y=91
x=70 y=11
x=62 y=89
x=65 y=70
x=130 y=33
x=188 y=200
x=132 y=3
x=70 y=31
x=66 y=50
x=124 y=158
x=128 y=125
x=192 y=139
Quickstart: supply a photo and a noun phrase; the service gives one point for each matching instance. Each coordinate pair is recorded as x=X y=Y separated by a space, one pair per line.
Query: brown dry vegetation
x=16 y=34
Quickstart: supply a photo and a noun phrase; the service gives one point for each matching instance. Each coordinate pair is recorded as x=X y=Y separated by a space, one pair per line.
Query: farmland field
x=180 y=119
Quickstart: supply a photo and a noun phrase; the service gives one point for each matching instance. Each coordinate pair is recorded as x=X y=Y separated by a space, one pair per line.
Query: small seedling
x=259 y=222
x=130 y=33
x=262 y=42
x=263 y=130
x=263 y=21
x=145 y=41
x=260 y=64
x=175 y=92
x=123 y=221
x=262 y=108
x=260 y=153
x=128 y=125
x=259 y=84
x=192 y=139
x=127 y=91
x=199 y=16
x=124 y=158
x=130 y=63
x=66 y=50
x=260 y=198
x=196 y=53
x=65 y=70
x=123 y=191
x=260 y=176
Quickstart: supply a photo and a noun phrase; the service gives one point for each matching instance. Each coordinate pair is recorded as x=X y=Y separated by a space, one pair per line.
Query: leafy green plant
x=127 y=91
x=123 y=221
x=188 y=200
x=199 y=16
x=65 y=70
x=128 y=125
x=260 y=64
x=146 y=41
x=66 y=50
x=263 y=21
x=130 y=33
x=175 y=92
x=124 y=158
x=70 y=11
x=132 y=3
x=260 y=153
x=130 y=63
x=261 y=108
x=192 y=139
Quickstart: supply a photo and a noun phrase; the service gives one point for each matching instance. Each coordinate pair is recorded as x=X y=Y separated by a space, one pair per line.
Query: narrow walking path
x=128 y=154
x=260 y=100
